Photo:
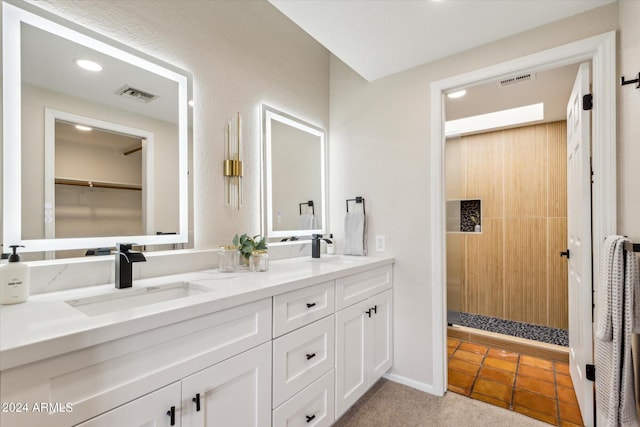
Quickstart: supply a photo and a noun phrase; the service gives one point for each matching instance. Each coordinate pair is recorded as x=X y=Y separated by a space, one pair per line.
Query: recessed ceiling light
x=83 y=128
x=457 y=94
x=191 y=103
x=89 y=65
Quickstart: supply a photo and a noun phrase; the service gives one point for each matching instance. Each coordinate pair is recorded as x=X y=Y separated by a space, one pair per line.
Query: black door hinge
x=587 y=102
x=591 y=372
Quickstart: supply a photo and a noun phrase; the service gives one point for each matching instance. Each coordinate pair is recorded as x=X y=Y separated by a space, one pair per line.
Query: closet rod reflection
x=98 y=184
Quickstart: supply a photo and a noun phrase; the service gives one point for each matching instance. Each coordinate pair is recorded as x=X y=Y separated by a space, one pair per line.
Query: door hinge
x=587 y=102
x=591 y=372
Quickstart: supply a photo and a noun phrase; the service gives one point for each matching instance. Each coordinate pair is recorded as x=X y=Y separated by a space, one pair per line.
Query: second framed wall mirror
x=294 y=176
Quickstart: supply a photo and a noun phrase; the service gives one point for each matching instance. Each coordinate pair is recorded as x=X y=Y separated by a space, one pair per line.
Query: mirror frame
x=12 y=19
x=269 y=114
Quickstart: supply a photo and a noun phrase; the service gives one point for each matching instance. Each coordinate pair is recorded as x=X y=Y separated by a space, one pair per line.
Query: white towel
x=617 y=293
x=355 y=233
x=307 y=222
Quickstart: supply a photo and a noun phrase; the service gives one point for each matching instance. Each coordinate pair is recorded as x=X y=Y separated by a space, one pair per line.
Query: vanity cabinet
x=364 y=336
x=101 y=378
x=296 y=358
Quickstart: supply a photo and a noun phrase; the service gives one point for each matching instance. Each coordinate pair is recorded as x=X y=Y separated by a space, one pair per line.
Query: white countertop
x=46 y=325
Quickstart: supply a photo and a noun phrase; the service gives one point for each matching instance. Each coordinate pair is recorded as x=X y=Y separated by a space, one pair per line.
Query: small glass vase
x=228 y=259
x=259 y=261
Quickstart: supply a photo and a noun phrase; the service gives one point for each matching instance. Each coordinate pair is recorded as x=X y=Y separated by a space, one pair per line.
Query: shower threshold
x=528 y=331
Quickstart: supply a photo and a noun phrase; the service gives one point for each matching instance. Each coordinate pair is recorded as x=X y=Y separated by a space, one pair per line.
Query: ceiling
x=48 y=62
x=377 y=38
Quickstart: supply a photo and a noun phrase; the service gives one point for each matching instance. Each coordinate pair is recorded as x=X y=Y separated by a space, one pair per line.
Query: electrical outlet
x=380 y=243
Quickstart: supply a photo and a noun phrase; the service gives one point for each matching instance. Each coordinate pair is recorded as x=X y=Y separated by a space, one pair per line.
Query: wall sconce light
x=233 y=163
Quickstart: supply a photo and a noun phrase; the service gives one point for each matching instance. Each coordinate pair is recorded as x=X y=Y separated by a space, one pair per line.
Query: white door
x=236 y=392
x=579 y=239
x=159 y=409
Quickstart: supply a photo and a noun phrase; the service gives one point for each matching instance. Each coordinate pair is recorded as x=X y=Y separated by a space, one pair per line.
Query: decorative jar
x=259 y=260
x=228 y=258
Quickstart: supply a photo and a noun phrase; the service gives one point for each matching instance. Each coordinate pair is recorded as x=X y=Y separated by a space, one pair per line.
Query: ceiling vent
x=137 y=94
x=516 y=79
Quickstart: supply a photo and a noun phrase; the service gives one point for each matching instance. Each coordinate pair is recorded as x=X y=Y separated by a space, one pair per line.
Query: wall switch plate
x=380 y=243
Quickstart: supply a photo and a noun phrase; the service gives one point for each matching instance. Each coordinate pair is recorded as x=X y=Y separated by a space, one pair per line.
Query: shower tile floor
x=515 y=329
x=538 y=388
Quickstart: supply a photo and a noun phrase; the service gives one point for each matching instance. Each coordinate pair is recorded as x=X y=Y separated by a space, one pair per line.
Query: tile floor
x=535 y=387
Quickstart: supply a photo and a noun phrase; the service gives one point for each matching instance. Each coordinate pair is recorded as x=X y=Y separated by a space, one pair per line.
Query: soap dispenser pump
x=14 y=279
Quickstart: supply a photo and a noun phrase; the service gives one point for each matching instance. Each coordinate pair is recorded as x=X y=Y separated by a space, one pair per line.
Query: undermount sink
x=335 y=259
x=135 y=297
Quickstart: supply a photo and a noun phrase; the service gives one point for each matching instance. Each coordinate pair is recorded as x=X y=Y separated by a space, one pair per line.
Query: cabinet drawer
x=298 y=308
x=356 y=288
x=313 y=406
x=301 y=357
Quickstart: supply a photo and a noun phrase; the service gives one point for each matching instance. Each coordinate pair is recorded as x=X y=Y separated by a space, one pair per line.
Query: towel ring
x=310 y=204
x=358 y=199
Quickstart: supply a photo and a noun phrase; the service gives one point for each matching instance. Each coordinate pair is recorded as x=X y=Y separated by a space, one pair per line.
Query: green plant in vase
x=248 y=244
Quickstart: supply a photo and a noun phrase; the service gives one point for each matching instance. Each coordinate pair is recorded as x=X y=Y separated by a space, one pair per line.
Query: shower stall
x=506 y=226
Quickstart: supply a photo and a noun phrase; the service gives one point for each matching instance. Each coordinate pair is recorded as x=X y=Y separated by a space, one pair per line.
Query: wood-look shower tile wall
x=513 y=269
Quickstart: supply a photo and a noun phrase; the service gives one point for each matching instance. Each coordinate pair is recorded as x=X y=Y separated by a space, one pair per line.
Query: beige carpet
x=390 y=404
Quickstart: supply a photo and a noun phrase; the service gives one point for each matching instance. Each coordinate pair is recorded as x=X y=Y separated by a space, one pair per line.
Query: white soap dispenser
x=14 y=279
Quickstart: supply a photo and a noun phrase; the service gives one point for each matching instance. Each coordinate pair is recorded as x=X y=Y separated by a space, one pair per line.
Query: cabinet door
x=236 y=392
x=351 y=350
x=157 y=409
x=381 y=334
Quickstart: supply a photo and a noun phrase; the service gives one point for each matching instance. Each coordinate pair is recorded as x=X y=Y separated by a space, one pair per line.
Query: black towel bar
x=358 y=199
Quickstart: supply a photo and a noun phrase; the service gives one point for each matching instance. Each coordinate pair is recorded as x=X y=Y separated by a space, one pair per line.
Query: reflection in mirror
x=294 y=176
x=123 y=94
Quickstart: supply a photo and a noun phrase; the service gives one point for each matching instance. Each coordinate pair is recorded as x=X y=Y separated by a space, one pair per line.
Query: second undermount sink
x=135 y=297
x=333 y=259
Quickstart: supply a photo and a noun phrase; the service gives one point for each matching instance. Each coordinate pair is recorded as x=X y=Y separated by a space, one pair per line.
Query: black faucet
x=124 y=259
x=315 y=244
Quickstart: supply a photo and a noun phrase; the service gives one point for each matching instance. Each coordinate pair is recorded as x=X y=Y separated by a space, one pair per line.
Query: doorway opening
x=504 y=270
x=601 y=51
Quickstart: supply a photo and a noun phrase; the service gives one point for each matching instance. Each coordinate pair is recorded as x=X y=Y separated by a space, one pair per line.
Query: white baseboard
x=427 y=388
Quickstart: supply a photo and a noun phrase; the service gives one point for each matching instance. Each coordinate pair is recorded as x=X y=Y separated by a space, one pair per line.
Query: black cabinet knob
x=311 y=356
x=310 y=418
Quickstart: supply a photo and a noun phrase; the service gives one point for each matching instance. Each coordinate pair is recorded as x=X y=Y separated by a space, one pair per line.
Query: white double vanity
x=295 y=346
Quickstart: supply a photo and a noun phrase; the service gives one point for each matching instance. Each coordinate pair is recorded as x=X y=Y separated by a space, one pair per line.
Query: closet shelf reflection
x=98 y=184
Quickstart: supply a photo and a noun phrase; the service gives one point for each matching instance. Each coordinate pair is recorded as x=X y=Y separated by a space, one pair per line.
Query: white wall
x=380 y=136
x=241 y=53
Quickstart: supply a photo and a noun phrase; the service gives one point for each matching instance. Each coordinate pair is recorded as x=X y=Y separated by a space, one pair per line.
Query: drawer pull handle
x=310 y=418
x=172 y=414
x=375 y=309
x=197 y=401
x=368 y=312
x=311 y=356
x=311 y=304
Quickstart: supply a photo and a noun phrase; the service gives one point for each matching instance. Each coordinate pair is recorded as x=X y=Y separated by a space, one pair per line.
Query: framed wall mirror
x=124 y=176
x=294 y=176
